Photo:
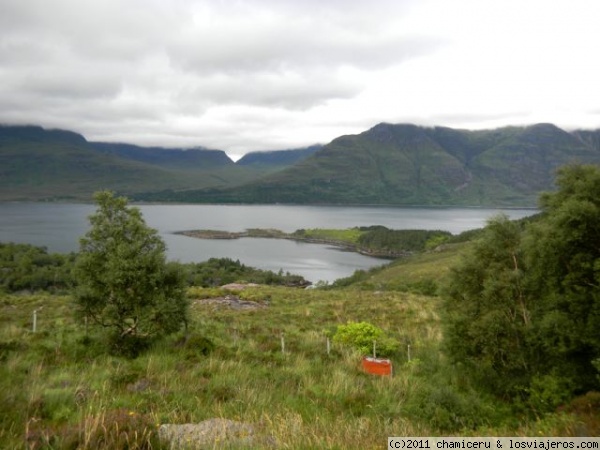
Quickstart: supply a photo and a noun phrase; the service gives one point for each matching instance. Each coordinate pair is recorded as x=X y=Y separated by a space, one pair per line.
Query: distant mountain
x=175 y=158
x=411 y=165
x=389 y=164
x=278 y=158
x=36 y=164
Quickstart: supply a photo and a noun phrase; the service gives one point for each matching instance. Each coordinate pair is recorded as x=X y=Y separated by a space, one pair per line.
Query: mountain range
x=412 y=165
x=389 y=164
x=40 y=164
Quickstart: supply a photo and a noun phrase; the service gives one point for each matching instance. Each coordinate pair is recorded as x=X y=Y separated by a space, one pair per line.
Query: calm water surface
x=59 y=226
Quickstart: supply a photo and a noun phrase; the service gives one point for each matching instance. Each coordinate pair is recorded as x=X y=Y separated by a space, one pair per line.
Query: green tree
x=563 y=252
x=487 y=311
x=124 y=282
x=523 y=308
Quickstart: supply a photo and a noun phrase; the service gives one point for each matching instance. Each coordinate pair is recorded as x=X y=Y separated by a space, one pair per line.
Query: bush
x=361 y=336
x=196 y=345
x=446 y=409
x=547 y=392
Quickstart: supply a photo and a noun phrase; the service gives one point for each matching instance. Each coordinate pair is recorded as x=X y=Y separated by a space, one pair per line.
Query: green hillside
x=388 y=165
x=277 y=159
x=411 y=165
x=192 y=159
x=40 y=164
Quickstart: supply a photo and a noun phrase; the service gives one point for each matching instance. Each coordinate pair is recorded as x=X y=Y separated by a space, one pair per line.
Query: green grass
x=349 y=235
x=59 y=388
x=433 y=266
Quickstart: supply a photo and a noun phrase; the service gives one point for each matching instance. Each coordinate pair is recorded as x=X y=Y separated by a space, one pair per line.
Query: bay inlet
x=58 y=227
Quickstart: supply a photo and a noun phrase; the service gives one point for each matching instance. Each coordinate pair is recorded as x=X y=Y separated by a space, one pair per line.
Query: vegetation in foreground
x=60 y=388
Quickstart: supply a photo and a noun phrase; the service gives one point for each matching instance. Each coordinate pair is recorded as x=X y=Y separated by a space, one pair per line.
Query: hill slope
x=277 y=159
x=412 y=165
x=40 y=164
x=175 y=158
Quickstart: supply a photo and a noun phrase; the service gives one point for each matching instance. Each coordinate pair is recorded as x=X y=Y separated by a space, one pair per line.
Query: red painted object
x=377 y=366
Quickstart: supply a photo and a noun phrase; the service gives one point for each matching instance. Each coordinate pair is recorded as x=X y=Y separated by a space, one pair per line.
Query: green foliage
x=445 y=408
x=522 y=311
x=487 y=315
x=220 y=271
x=25 y=267
x=359 y=276
x=196 y=346
x=383 y=240
x=547 y=392
x=564 y=257
x=361 y=336
x=124 y=282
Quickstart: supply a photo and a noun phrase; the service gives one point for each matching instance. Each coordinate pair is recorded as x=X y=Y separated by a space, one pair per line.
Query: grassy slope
x=434 y=266
x=303 y=398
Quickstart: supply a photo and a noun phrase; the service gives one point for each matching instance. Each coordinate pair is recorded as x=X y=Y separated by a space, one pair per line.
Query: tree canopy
x=523 y=308
x=124 y=281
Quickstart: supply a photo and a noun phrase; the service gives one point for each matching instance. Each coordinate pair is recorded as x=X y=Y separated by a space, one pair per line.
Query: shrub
x=196 y=345
x=361 y=336
x=546 y=392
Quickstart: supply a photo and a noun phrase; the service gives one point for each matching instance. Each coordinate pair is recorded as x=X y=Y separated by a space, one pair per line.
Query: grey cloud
x=280 y=43
x=68 y=85
x=236 y=75
x=288 y=90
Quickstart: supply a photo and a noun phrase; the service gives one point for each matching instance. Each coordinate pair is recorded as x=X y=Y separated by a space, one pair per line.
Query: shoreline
x=270 y=233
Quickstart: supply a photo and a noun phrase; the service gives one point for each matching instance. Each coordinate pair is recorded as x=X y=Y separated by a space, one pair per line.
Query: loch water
x=58 y=227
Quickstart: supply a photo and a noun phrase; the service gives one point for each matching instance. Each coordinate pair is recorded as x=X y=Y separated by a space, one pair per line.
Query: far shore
x=270 y=233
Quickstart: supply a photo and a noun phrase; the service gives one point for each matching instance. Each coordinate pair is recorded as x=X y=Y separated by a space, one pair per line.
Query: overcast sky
x=256 y=75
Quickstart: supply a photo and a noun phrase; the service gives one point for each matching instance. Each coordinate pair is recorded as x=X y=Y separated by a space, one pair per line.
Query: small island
x=376 y=241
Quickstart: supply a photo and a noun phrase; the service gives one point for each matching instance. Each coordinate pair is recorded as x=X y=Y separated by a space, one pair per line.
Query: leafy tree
x=26 y=267
x=488 y=312
x=523 y=309
x=124 y=281
x=563 y=253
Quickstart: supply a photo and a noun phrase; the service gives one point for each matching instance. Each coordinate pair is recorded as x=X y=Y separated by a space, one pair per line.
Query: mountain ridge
x=55 y=164
x=388 y=164
x=277 y=158
x=406 y=164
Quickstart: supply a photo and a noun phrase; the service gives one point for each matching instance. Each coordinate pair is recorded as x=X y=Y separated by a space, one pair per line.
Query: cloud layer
x=251 y=75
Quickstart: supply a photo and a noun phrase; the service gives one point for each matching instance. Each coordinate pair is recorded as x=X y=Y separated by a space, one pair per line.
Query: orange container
x=377 y=366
